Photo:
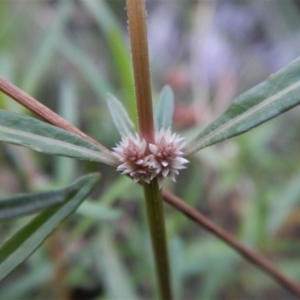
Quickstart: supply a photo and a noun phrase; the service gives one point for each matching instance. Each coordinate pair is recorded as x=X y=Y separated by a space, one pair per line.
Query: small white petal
x=177 y=167
x=156 y=164
x=160 y=181
x=121 y=167
x=153 y=148
x=136 y=179
x=146 y=179
x=172 y=175
x=140 y=162
x=164 y=163
x=181 y=160
x=165 y=172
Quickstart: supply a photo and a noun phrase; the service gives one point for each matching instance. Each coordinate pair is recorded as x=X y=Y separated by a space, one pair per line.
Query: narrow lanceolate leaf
x=119 y=115
x=15 y=250
x=279 y=93
x=164 y=109
x=24 y=204
x=30 y=132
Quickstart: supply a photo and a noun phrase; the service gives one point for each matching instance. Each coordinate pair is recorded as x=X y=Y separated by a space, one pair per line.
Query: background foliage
x=68 y=55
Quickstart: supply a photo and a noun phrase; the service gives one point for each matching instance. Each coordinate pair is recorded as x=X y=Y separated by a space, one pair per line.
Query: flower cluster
x=162 y=159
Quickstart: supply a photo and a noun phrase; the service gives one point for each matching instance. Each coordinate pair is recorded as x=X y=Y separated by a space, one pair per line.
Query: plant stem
x=154 y=201
x=140 y=59
x=155 y=215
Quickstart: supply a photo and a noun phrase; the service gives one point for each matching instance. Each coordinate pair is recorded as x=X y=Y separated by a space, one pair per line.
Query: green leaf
x=164 y=109
x=119 y=115
x=279 y=93
x=24 y=204
x=15 y=250
x=30 y=132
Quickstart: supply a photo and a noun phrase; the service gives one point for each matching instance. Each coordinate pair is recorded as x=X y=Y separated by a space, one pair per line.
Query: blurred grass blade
x=7 y=69
x=115 y=277
x=94 y=77
x=98 y=212
x=122 y=60
x=279 y=93
x=164 y=109
x=28 y=281
x=119 y=115
x=112 y=30
x=68 y=108
x=122 y=186
x=284 y=205
x=30 y=132
x=43 y=58
x=15 y=250
x=177 y=258
x=24 y=204
x=103 y=14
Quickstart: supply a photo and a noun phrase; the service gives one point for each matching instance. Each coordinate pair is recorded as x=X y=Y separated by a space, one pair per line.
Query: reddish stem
x=141 y=68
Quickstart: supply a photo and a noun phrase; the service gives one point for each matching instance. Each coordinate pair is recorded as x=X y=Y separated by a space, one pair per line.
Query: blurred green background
x=68 y=55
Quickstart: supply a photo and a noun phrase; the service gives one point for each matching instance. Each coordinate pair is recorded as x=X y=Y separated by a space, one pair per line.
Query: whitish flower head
x=166 y=158
x=163 y=158
x=131 y=153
